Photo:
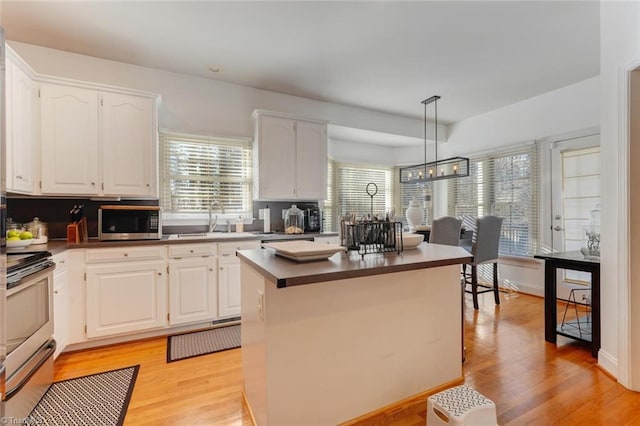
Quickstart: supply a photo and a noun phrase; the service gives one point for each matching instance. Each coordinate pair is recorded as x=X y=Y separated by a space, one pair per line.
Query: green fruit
x=26 y=235
x=13 y=239
x=13 y=233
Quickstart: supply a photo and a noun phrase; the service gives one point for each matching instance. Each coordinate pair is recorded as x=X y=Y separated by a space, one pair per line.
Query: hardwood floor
x=532 y=382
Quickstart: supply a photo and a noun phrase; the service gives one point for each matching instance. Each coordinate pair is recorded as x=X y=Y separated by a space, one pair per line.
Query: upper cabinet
x=290 y=157
x=22 y=155
x=98 y=143
x=73 y=138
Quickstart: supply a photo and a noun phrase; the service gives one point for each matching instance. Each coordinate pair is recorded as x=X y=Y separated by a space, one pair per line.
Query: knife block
x=77 y=232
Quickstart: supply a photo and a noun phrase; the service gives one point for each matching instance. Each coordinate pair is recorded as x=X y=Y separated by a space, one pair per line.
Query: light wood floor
x=532 y=382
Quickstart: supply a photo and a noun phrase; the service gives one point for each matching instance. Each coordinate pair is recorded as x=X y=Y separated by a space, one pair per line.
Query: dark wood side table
x=573 y=260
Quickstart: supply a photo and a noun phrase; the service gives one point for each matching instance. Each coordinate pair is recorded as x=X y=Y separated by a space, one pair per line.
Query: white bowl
x=411 y=241
x=19 y=243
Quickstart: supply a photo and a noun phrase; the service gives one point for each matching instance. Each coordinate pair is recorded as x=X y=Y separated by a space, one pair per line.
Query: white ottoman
x=461 y=405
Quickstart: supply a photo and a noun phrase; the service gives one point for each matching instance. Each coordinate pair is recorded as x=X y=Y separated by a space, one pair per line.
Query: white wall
x=203 y=106
x=620 y=47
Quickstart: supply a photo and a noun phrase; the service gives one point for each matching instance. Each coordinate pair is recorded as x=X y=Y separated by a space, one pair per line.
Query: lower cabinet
x=61 y=305
x=192 y=289
x=228 y=286
x=126 y=297
x=229 y=276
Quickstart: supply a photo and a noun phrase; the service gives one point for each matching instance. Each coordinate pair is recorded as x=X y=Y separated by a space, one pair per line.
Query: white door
x=126 y=297
x=192 y=290
x=128 y=145
x=228 y=286
x=69 y=117
x=311 y=161
x=575 y=189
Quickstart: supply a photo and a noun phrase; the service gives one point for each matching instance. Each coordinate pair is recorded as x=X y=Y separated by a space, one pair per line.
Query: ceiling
x=383 y=55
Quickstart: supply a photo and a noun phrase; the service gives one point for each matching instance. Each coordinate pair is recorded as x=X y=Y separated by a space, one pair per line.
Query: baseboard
x=608 y=363
x=404 y=403
x=245 y=402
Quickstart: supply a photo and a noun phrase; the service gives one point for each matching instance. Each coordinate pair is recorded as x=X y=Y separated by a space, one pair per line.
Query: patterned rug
x=99 y=399
x=196 y=343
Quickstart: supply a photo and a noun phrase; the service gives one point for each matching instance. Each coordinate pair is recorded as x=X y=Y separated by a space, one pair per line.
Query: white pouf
x=461 y=405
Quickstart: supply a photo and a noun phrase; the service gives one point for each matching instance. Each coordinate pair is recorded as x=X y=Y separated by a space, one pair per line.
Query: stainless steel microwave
x=120 y=222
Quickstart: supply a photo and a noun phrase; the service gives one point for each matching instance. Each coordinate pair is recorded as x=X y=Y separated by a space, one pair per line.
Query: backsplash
x=55 y=212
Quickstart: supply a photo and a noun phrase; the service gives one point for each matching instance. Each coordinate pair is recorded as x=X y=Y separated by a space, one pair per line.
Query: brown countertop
x=59 y=246
x=286 y=273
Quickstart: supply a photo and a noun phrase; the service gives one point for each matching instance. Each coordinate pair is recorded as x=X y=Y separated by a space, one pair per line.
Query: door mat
x=196 y=343
x=98 y=399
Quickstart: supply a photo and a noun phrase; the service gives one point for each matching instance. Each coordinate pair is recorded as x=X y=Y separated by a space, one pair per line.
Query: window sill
x=195 y=219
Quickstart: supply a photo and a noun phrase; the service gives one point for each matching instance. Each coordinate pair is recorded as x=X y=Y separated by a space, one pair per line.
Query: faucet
x=214 y=221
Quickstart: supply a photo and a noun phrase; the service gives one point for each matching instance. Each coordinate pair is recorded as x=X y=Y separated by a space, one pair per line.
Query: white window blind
x=329 y=213
x=195 y=170
x=350 y=185
x=503 y=184
x=422 y=192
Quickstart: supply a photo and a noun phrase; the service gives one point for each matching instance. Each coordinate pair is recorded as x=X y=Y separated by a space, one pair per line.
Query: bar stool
x=460 y=405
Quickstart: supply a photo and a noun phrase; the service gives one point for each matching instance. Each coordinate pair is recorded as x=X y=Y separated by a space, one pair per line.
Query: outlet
x=260 y=305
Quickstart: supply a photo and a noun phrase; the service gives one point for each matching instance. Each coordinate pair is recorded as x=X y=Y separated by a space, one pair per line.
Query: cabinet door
x=128 y=145
x=60 y=310
x=276 y=169
x=22 y=156
x=192 y=290
x=311 y=161
x=69 y=134
x=228 y=286
x=125 y=297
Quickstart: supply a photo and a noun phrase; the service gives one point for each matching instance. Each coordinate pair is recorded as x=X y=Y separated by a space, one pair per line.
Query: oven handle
x=44 y=353
x=30 y=280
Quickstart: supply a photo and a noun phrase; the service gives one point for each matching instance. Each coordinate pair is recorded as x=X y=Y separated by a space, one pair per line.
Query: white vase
x=414 y=214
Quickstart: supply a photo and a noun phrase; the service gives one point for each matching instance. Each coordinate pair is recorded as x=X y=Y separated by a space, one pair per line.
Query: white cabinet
x=125 y=294
x=61 y=303
x=22 y=153
x=229 y=276
x=192 y=283
x=129 y=159
x=97 y=143
x=290 y=157
x=69 y=133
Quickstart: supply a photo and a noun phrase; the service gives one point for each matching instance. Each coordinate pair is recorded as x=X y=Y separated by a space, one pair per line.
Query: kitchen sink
x=211 y=235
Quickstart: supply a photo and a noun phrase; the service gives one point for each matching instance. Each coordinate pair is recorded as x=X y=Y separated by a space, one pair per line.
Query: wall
x=203 y=106
x=620 y=51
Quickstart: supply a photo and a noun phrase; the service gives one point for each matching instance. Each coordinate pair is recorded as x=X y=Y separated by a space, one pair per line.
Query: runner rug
x=196 y=343
x=98 y=399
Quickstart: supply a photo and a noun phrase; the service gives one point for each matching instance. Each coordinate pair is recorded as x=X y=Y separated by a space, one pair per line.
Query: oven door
x=29 y=317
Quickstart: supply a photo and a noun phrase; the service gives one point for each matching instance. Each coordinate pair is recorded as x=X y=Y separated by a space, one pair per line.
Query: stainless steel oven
x=29 y=331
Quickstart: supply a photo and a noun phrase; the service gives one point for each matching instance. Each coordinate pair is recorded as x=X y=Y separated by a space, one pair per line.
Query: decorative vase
x=414 y=214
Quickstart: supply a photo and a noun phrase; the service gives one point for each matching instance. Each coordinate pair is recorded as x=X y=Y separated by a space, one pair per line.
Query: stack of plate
x=304 y=251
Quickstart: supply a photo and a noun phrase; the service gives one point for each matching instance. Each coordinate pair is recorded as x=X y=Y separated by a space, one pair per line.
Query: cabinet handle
x=210 y=269
x=19 y=177
x=148 y=185
x=126 y=254
x=221 y=268
x=61 y=261
x=190 y=251
x=226 y=254
x=55 y=291
x=159 y=274
x=93 y=184
x=205 y=256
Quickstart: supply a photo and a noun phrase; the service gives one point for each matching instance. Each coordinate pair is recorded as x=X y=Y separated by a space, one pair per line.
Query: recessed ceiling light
x=213 y=68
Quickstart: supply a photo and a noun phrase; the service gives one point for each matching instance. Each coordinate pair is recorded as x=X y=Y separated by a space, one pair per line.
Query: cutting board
x=304 y=250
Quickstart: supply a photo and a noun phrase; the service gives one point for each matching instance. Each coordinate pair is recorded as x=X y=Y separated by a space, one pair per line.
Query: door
x=128 y=154
x=229 y=286
x=125 y=297
x=192 y=290
x=69 y=117
x=575 y=189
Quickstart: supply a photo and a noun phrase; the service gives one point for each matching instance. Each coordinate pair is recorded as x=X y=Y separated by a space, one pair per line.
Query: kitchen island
x=328 y=341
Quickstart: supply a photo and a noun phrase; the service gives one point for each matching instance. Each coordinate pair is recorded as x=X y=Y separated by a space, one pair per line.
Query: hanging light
x=439 y=169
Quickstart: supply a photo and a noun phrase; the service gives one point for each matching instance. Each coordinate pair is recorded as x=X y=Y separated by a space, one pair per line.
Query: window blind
x=502 y=184
x=195 y=170
x=351 y=189
x=329 y=208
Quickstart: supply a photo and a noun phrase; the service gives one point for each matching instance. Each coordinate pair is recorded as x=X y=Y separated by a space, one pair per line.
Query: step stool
x=461 y=405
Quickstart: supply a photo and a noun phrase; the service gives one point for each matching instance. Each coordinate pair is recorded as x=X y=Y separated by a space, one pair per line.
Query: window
x=503 y=184
x=347 y=192
x=195 y=170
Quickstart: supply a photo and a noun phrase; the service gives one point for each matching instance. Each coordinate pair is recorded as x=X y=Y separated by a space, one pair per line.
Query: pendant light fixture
x=435 y=170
